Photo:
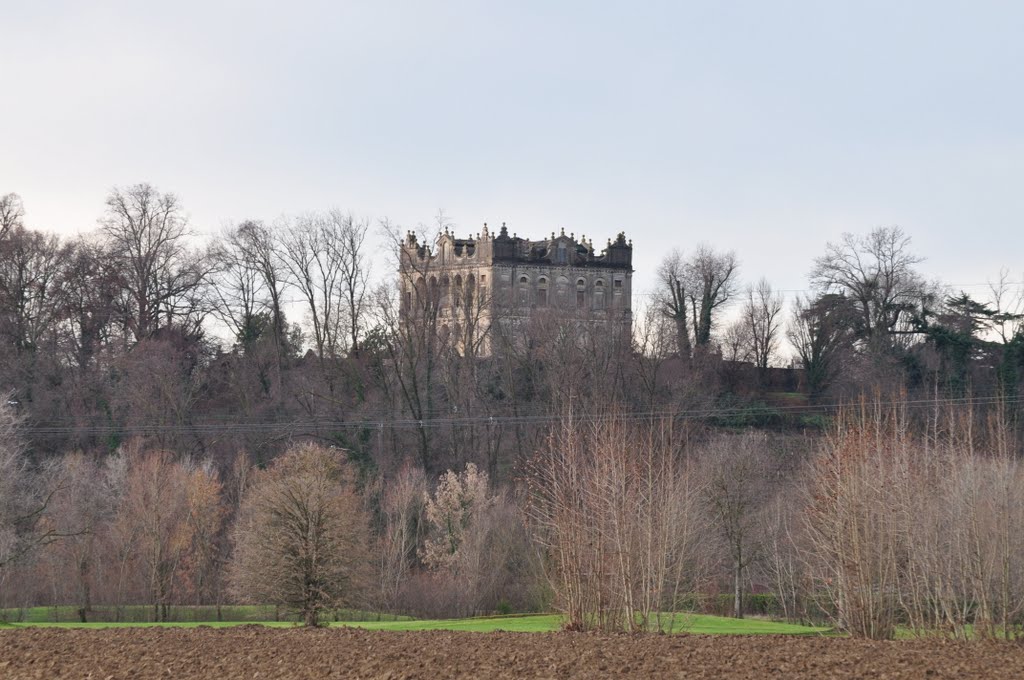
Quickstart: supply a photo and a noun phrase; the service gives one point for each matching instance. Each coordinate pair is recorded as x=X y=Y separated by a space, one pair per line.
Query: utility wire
x=243 y=428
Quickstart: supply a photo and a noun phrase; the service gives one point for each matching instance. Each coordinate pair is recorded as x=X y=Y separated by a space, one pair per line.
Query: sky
x=768 y=128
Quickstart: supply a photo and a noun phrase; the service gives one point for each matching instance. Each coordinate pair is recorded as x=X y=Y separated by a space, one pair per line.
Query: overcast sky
x=764 y=127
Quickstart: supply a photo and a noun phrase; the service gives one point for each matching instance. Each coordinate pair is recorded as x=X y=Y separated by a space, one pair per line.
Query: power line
x=308 y=425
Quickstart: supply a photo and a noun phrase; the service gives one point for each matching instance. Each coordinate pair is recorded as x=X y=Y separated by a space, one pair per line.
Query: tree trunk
x=737 y=602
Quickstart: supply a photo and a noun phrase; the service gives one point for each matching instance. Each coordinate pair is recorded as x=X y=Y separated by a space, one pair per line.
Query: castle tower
x=470 y=288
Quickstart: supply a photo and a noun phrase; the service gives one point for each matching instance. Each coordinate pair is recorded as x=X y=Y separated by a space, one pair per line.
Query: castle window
x=581 y=293
x=562 y=290
x=524 y=290
x=618 y=283
x=445 y=291
x=562 y=255
x=542 y=292
x=599 y=295
x=421 y=290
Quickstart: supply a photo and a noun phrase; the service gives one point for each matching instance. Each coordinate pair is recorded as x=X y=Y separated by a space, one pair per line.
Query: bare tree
x=162 y=277
x=350 y=239
x=1008 y=302
x=260 y=250
x=877 y=273
x=30 y=274
x=674 y=298
x=402 y=509
x=25 y=496
x=409 y=333
x=19 y=509
x=737 y=487
x=616 y=510
x=852 y=525
x=310 y=252
x=165 y=503
x=710 y=277
x=822 y=333
x=301 y=537
x=762 y=314
x=81 y=511
x=238 y=290
x=692 y=290
x=655 y=341
x=12 y=213
x=782 y=566
x=88 y=288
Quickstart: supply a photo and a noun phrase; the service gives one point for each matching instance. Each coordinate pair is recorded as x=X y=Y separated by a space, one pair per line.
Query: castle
x=466 y=285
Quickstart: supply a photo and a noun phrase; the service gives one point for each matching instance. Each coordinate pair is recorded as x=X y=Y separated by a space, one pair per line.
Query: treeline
x=121 y=333
x=897 y=518
x=134 y=431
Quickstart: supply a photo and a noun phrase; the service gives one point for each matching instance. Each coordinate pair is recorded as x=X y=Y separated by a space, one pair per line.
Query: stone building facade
x=467 y=285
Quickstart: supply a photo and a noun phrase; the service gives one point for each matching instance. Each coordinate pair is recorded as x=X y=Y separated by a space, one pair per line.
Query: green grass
x=150 y=624
x=538 y=623
x=137 y=614
x=542 y=623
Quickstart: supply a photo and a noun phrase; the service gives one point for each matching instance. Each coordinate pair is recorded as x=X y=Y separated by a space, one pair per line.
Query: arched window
x=542 y=292
x=561 y=254
x=562 y=291
x=446 y=291
x=469 y=290
x=581 y=293
x=524 y=290
x=599 y=294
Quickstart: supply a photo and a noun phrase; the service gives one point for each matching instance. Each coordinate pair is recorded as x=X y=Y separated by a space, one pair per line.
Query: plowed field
x=257 y=652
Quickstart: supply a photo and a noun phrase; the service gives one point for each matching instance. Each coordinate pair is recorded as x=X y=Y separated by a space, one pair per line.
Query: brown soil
x=257 y=652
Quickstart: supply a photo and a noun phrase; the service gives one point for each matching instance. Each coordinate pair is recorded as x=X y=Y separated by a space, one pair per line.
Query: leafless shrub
x=165 y=523
x=616 y=510
x=301 y=537
x=476 y=546
x=737 y=485
x=918 y=526
x=852 y=527
x=402 y=510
